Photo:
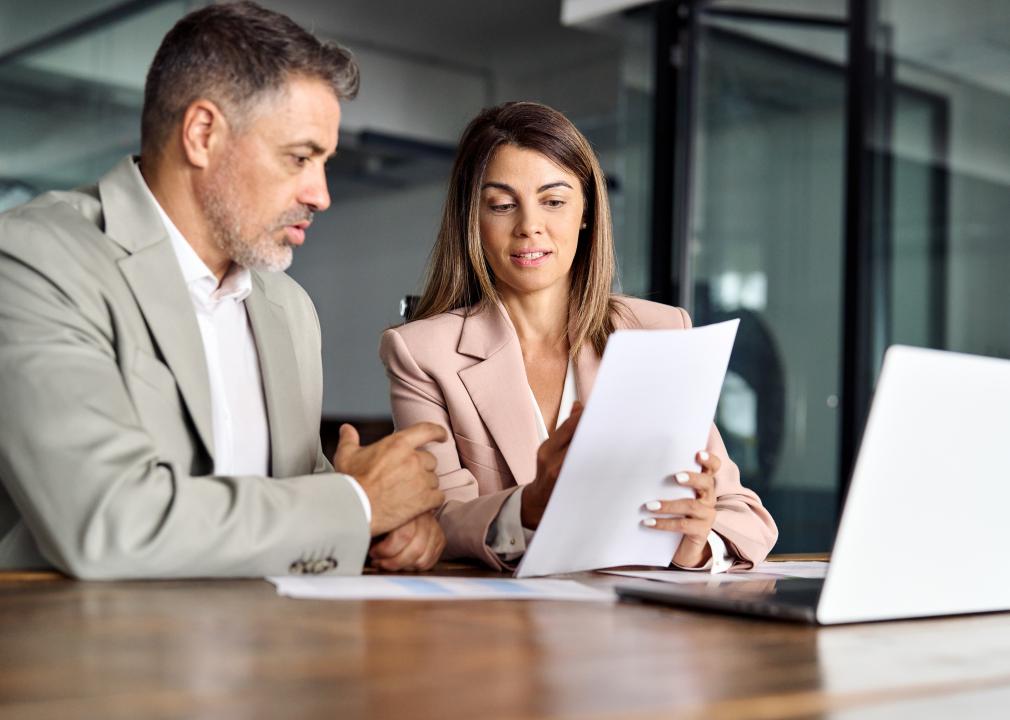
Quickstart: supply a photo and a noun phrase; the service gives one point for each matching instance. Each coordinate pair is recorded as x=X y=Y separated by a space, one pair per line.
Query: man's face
x=265 y=183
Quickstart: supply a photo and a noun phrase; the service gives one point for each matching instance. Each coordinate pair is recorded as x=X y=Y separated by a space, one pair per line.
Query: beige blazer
x=106 y=450
x=466 y=373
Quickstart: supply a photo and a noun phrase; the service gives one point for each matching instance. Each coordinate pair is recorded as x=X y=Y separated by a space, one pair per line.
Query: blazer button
x=297 y=567
x=322 y=566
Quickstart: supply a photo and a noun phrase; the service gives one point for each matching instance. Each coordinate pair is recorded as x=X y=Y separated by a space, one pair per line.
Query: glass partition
x=766 y=246
x=945 y=204
x=70 y=99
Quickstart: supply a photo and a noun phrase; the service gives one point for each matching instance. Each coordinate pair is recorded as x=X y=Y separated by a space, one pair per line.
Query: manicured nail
x=649 y=522
x=703 y=455
x=653 y=505
x=681 y=477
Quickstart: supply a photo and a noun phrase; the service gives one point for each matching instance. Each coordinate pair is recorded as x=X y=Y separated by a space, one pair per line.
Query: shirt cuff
x=506 y=536
x=363 y=497
x=720 y=560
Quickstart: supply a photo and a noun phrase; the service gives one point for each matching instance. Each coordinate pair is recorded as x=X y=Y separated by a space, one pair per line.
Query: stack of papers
x=412 y=587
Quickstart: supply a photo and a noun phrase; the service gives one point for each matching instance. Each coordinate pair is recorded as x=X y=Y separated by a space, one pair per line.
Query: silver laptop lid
x=926 y=524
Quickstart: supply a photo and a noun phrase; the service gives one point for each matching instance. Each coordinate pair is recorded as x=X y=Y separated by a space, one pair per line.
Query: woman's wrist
x=692 y=555
x=531 y=507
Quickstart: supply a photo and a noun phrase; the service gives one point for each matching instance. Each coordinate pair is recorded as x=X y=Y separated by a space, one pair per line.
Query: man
x=160 y=378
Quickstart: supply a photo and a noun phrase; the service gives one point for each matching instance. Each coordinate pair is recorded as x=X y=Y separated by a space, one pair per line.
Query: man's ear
x=203 y=128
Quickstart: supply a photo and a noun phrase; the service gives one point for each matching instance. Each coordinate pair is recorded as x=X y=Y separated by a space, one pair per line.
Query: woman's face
x=530 y=216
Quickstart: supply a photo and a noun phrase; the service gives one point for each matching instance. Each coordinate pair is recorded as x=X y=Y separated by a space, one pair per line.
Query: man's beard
x=253 y=248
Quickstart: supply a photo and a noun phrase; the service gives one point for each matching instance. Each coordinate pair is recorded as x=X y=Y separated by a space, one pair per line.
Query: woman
x=508 y=335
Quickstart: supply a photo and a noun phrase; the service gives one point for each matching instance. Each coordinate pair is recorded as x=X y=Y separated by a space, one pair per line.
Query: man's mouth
x=296 y=233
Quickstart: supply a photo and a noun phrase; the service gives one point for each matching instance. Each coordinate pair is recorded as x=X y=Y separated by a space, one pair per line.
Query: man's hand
x=398 y=478
x=550 y=456
x=415 y=546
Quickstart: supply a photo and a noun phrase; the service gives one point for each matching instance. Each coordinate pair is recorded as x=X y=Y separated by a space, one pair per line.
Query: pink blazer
x=466 y=373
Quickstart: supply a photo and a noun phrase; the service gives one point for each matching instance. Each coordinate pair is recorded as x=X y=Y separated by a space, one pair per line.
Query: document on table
x=413 y=587
x=764 y=571
x=650 y=413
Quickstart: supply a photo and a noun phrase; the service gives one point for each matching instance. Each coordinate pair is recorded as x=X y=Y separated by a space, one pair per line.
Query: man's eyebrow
x=313 y=147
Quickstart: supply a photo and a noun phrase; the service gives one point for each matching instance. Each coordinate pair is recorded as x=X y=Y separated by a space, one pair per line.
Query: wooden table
x=234 y=649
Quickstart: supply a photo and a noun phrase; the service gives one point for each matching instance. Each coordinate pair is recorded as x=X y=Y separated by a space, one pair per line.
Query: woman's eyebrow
x=509 y=188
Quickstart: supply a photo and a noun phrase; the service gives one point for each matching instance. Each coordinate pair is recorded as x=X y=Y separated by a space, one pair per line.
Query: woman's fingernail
x=653 y=505
x=703 y=455
x=649 y=522
x=681 y=477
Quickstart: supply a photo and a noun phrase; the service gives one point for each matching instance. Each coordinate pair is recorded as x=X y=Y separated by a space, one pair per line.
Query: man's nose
x=314 y=192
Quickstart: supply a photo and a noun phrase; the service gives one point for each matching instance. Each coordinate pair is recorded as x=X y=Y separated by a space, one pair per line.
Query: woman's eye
x=503 y=207
x=554 y=203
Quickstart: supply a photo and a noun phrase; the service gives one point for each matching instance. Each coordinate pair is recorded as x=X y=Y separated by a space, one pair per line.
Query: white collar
x=568 y=397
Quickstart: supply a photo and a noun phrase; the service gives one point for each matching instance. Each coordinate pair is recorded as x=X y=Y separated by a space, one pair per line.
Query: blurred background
x=834 y=173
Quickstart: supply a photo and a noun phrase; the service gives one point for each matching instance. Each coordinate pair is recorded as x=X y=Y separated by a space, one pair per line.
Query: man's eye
x=301 y=160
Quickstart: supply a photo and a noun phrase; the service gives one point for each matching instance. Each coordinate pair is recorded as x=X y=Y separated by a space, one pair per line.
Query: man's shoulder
x=56 y=214
x=60 y=235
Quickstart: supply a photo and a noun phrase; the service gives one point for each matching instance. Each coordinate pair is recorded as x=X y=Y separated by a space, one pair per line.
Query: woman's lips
x=530 y=258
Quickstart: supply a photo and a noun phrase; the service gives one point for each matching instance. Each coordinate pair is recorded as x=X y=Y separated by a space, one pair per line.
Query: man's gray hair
x=234 y=54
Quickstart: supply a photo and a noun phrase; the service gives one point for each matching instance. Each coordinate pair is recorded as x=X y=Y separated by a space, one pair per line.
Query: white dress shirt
x=238 y=408
x=508 y=538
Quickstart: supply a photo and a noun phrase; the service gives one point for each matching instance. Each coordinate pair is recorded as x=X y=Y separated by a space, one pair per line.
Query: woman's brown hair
x=458 y=273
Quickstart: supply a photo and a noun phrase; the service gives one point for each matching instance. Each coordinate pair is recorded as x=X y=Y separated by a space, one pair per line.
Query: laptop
x=926 y=524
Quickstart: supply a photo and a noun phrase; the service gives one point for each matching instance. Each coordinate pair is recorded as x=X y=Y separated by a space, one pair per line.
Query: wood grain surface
x=234 y=649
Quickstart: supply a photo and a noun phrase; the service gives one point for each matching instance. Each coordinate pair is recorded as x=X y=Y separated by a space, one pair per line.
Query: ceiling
x=486 y=34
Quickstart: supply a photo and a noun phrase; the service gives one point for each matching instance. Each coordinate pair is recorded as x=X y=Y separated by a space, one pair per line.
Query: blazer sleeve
x=466 y=516
x=89 y=483
x=740 y=518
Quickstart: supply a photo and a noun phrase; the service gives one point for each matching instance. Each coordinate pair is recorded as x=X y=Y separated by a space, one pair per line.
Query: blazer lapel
x=500 y=390
x=153 y=274
x=279 y=370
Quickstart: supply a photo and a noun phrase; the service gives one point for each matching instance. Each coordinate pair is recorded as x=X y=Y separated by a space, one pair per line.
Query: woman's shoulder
x=422 y=337
x=632 y=312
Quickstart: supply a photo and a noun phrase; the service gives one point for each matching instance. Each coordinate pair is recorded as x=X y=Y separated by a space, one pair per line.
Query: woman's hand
x=550 y=456
x=693 y=517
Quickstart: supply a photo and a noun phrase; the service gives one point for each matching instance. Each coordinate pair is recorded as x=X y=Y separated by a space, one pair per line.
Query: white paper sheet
x=414 y=587
x=649 y=414
x=805 y=569
x=764 y=571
